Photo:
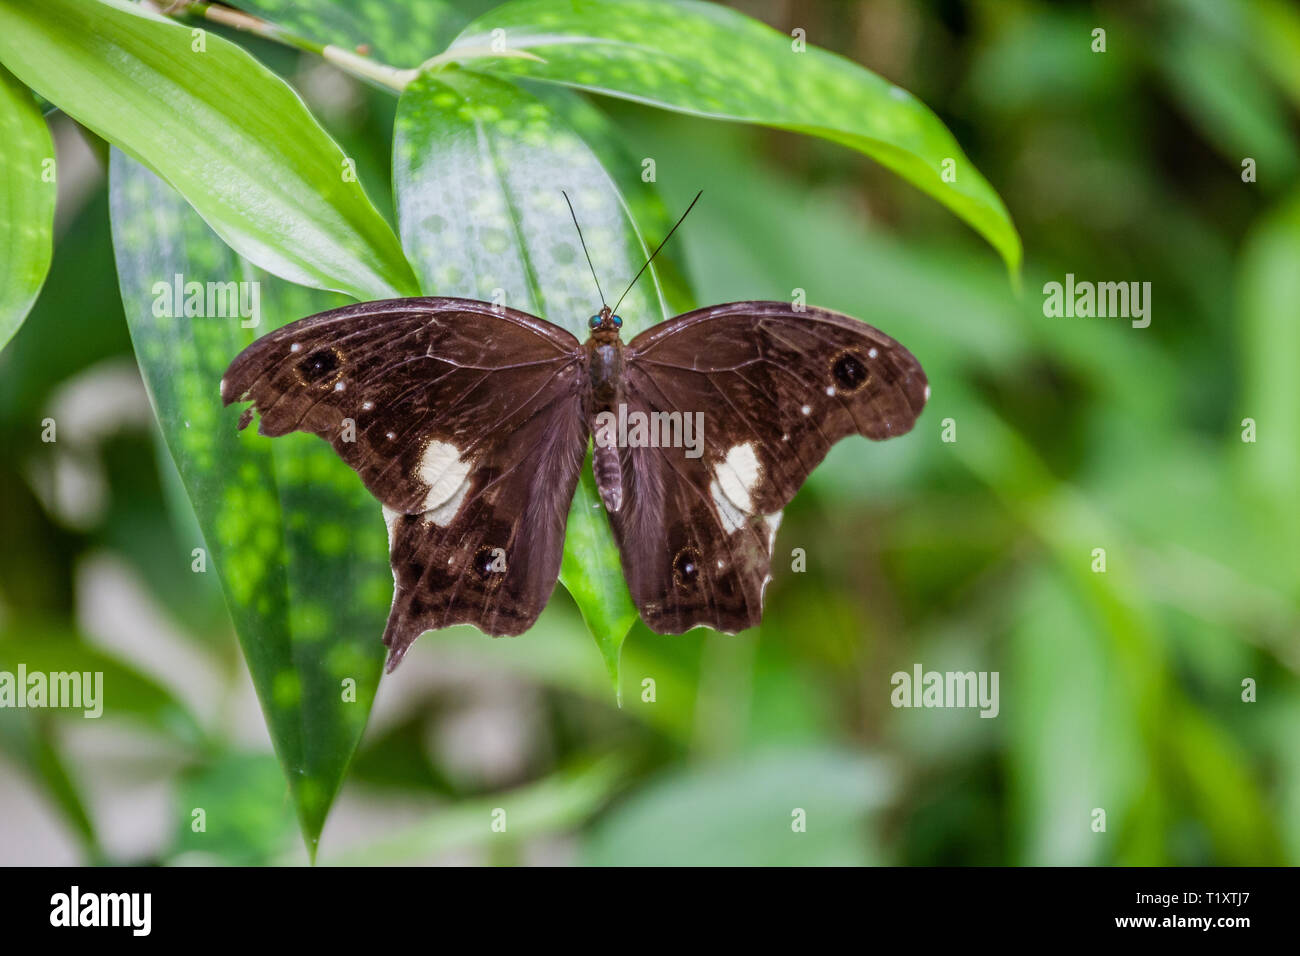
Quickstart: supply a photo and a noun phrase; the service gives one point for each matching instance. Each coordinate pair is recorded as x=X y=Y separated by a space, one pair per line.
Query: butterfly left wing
x=404 y=389
x=775 y=388
x=464 y=420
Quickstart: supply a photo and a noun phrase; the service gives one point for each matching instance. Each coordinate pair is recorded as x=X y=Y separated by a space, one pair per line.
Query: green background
x=1120 y=691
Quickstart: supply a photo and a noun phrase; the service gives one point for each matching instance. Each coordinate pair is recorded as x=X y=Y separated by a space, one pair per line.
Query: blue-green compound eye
x=593 y=322
x=618 y=323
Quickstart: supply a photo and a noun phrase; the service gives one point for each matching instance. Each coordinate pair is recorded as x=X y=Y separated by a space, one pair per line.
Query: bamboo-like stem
x=349 y=61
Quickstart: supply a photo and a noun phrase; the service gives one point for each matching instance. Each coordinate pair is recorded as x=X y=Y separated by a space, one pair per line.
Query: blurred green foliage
x=1120 y=691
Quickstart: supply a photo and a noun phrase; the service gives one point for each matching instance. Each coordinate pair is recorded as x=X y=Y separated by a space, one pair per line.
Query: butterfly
x=470 y=423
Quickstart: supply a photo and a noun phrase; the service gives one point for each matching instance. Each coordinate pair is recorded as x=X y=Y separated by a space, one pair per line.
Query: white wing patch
x=444 y=473
x=732 y=518
x=390 y=519
x=443 y=514
x=772 y=521
x=739 y=474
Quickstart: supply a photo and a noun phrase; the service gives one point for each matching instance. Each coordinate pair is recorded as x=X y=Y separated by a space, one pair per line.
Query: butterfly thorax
x=604 y=367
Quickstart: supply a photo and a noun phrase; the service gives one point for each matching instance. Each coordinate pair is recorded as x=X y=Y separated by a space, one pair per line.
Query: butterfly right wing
x=465 y=421
x=774 y=389
x=491 y=557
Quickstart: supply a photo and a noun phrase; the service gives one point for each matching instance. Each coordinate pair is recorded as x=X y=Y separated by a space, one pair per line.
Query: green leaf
x=705 y=59
x=26 y=203
x=593 y=573
x=246 y=820
x=479 y=170
x=298 y=544
x=644 y=201
x=226 y=132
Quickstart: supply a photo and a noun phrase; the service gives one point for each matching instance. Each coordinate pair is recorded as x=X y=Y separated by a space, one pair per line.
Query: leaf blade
x=296 y=541
x=26 y=203
x=226 y=132
x=710 y=61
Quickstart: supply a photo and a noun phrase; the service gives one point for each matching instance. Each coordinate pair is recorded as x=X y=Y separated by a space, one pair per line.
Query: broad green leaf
x=644 y=202
x=592 y=572
x=227 y=133
x=705 y=59
x=26 y=202
x=480 y=169
x=742 y=813
x=298 y=544
x=406 y=34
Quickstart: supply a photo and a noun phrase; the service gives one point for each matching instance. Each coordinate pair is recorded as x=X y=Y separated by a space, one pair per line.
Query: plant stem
x=347 y=60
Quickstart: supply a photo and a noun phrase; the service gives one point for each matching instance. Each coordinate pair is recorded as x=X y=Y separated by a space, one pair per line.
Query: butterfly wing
x=464 y=420
x=775 y=389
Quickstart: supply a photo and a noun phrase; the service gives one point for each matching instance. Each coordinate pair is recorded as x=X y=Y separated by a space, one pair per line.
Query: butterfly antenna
x=657 y=248
x=584 y=248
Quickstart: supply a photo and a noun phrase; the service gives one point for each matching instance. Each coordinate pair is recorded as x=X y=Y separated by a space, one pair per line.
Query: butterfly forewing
x=397 y=385
x=776 y=388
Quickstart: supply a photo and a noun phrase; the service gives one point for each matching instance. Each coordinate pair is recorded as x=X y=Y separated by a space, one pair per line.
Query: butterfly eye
x=618 y=323
x=594 y=322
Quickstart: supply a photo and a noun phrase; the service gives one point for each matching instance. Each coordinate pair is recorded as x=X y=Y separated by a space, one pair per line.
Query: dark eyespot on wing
x=849 y=372
x=686 y=568
x=321 y=368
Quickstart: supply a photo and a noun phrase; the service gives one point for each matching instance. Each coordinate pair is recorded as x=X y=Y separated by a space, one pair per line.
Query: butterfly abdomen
x=605 y=372
x=608 y=470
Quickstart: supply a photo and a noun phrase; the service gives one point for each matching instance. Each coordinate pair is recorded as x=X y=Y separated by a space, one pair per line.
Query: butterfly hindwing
x=464 y=420
x=776 y=388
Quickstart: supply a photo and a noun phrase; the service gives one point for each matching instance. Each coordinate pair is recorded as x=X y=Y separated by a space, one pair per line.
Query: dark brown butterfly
x=469 y=422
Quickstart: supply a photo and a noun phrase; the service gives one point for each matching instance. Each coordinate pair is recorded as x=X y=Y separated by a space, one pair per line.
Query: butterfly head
x=605 y=324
